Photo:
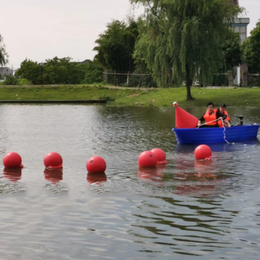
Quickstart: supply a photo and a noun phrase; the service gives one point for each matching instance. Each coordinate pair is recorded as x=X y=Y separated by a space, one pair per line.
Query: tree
x=232 y=50
x=93 y=72
x=3 y=53
x=10 y=80
x=115 y=46
x=251 y=50
x=52 y=71
x=183 y=39
x=232 y=53
x=29 y=70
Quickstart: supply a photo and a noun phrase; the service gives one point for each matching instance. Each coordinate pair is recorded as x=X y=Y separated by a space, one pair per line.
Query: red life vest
x=227 y=119
x=211 y=118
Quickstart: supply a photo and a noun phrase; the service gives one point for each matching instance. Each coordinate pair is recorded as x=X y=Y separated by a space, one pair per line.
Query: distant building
x=85 y=61
x=240 y=26
x=4 y=71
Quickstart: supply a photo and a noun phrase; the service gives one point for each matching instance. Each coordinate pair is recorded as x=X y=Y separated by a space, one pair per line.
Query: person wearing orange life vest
x=211 y=117
x=222 y=109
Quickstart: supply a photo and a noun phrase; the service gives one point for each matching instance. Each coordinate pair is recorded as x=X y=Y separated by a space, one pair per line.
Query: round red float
x=203 y=152
x=12 y=160
x=96 y=164
x=147 y=159
x=53 y=160
x=160 y=155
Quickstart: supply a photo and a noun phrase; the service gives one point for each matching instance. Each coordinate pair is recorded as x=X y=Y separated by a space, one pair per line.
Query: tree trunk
x=230 y=78
x=169 y=79
x=188 y=83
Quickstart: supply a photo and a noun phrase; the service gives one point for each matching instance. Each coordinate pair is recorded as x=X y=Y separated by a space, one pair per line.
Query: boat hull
x=215 y=135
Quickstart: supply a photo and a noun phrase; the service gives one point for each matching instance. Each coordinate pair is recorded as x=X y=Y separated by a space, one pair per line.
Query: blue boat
x=211 y=135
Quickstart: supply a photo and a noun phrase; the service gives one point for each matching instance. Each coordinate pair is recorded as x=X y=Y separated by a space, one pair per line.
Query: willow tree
x=182 y=39
x=3 y=54
x=251 y=50
x=116 y=45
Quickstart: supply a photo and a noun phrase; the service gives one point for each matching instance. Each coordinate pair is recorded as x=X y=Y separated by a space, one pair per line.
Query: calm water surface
x=186 y=210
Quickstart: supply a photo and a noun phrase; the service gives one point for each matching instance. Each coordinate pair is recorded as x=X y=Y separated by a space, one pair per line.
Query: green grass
x=158 y=97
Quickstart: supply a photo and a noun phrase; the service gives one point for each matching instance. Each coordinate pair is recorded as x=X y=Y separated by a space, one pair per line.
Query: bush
x=93 y=74
x=9 y=80
x=23 y=82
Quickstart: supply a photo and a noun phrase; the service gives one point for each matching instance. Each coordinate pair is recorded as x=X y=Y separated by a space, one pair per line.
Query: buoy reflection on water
x=13 y=174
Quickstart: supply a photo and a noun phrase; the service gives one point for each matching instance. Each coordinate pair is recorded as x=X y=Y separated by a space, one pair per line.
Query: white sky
x=42 y=29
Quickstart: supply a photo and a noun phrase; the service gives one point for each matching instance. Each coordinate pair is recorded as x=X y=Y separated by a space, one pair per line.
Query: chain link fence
x=253 y=80
x=129 y=79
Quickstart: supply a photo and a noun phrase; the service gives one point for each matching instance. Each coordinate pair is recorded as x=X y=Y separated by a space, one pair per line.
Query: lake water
x=186 y=210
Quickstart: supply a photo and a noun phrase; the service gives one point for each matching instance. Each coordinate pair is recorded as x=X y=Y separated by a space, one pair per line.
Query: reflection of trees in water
x=134 y=128
x=181 y=222
x=187 y=226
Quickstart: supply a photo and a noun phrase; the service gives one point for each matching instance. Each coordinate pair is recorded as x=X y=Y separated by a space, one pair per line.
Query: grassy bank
x=133 y=96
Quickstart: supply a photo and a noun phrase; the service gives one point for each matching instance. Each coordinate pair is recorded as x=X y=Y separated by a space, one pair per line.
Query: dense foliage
x=251 y=50
x=181 y=40
x=60 y=71
x=93 y=72
x=3 y=53
x=232 y=50
x=116 y=45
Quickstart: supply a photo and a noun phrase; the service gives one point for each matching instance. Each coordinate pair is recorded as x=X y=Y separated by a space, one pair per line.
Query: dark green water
x=186 y=210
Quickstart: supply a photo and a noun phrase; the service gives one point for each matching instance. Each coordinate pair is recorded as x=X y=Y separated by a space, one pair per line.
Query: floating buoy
x=12 y=160
x=160 y=155
x=96 y=177
x=53 y=175
x=96 y=164
x=53 y=160
x=147 y=159
x=13 y=174
x=203 y=152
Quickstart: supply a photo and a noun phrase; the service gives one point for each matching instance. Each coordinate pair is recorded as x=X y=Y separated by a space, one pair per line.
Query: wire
x=224 y=131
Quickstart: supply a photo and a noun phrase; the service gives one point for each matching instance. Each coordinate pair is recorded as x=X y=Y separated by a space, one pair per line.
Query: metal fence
x=129 y=79
x=254 y=80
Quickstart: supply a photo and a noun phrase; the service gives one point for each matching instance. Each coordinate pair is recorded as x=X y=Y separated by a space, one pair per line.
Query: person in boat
x=222 y=110
x=211 y=117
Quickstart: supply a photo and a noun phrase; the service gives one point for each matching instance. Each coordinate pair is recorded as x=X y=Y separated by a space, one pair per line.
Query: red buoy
x=53 y=160
x=147 y=159
x=96 y=164
x=12 y=160
x=203 y=152
x=160 y=155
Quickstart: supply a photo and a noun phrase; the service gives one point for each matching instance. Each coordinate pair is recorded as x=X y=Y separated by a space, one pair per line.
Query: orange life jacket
x=227 y=119
x=210 y=118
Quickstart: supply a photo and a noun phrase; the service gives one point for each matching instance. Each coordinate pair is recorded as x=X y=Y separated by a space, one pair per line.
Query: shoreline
x=100 y=101
x=116 y=96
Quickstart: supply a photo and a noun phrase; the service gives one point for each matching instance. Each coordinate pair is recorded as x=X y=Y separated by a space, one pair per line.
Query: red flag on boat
x=184 y=119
